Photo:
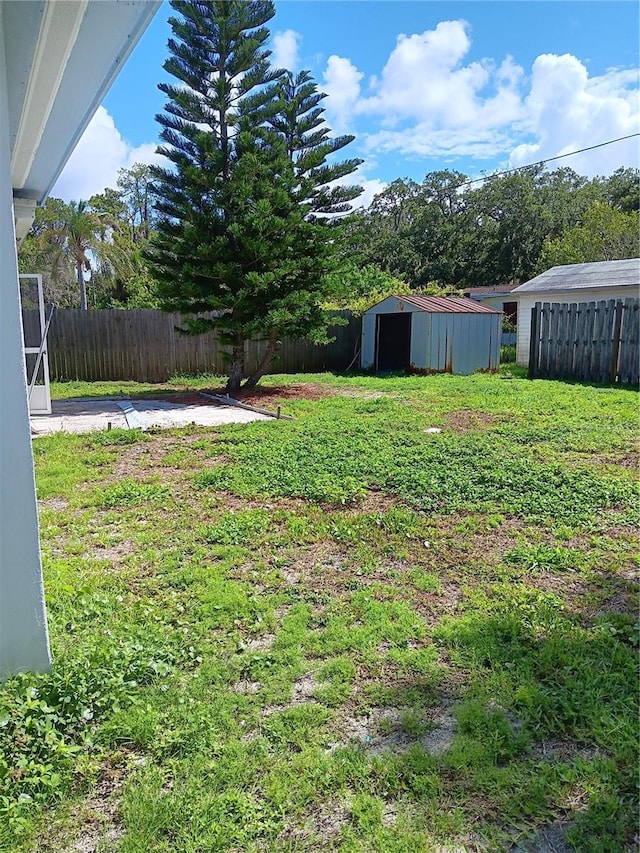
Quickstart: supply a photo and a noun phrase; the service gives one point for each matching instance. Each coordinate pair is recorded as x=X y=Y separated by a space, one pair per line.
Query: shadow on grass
x=539 y=677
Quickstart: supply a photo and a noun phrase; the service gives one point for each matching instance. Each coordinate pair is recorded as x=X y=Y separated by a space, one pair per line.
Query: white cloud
x=100 y=152
x=342 y=87
x=426 y=101
x=372 y=187
x=285 y=51
x=567 y=111
x=423 y=77
x=423 y=141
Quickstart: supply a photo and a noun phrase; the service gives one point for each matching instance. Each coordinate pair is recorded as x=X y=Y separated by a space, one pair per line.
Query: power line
x=548 y=160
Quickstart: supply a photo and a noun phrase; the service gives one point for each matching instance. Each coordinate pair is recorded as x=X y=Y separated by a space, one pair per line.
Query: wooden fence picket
x=143 y=345
x=588 y=341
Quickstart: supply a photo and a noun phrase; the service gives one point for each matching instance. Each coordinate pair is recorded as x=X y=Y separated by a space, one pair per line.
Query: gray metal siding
x=461 y=343
x=368 y=351
x=420 y=324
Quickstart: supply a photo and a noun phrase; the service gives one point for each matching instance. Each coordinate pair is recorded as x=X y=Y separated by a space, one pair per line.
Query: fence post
x=533 y=339
x=545 y=344
x=615 y=347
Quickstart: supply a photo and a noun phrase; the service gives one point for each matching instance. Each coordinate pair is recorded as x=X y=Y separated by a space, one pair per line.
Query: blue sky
x=473 y=86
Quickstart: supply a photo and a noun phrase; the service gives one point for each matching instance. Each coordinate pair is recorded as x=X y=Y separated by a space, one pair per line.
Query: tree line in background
x=442 y=235
x=450 y=233
x=251 y=218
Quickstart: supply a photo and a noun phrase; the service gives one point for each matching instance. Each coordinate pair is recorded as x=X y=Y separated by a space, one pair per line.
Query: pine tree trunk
x=265 y=362
x=236 y=369
x=82 y=287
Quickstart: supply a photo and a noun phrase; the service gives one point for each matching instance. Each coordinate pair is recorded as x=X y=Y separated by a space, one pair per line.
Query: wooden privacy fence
x=144 y=346
x=589 y=341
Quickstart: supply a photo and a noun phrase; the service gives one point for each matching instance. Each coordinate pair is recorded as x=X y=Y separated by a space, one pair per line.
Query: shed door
x=393 y=342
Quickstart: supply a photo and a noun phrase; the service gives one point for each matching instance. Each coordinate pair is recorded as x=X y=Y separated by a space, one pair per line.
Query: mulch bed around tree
x=262 y=396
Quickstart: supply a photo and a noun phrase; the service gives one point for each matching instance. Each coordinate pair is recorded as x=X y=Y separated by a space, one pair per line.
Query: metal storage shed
x=429 y=334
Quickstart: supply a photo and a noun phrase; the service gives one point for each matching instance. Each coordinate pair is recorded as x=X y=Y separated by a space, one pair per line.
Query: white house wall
x=497 y=301
x=57 y=60
x=24 y=640
x=526 y=301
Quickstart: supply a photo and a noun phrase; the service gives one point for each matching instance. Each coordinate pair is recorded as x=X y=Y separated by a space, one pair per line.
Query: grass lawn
x=339 y=632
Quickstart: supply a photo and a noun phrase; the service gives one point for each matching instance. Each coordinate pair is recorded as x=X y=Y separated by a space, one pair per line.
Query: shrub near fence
x=144 y=346
x=588 y=341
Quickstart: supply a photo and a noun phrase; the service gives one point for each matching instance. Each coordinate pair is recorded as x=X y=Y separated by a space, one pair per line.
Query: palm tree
x=69 y=240
x=81 y=240
x=64 y=240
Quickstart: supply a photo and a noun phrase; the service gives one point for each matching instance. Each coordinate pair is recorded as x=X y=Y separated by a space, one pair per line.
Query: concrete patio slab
x=86 y=414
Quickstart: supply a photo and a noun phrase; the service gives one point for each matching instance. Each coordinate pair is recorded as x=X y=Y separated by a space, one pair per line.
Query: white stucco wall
x=24 y=641
x=526 y=302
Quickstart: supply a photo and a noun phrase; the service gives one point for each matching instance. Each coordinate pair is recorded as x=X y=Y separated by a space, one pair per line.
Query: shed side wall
x=420 y=330
x=368 y=352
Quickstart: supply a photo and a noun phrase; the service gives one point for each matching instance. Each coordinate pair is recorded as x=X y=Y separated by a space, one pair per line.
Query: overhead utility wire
x=548 y=160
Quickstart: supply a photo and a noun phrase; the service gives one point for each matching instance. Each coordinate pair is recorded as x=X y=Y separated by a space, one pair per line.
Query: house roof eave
x=61 y=60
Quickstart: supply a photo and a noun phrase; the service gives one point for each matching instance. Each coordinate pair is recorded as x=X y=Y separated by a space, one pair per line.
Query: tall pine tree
x=234 y=235
x=301 y=123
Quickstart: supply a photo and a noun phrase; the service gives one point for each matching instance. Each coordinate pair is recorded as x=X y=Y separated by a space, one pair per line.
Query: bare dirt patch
x=54 y=503
x=374 y=501
x=324 y=824
x=629 y=460
x=588 y=598
x=260 y=644
x=440 y=737
x=263 y=396
x=551 y=838
x=321 y=563
x=222 y=501
x=271 y=394
x=116 y=553
x=246 y=688
x=467 y=420
x=150 y=456
x=563 y=750
x=132 y=458
x=302 y=691
x=453 y=544
x=432 y=606
x=390 y=814
x=98 y=815
x=381 y=731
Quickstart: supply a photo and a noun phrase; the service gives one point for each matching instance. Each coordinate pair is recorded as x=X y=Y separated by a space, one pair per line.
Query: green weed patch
x=339 y=632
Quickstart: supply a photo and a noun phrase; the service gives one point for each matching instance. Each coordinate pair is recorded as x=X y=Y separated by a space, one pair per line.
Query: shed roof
x=624 y=273
x=448 y=305
x=489 y=290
